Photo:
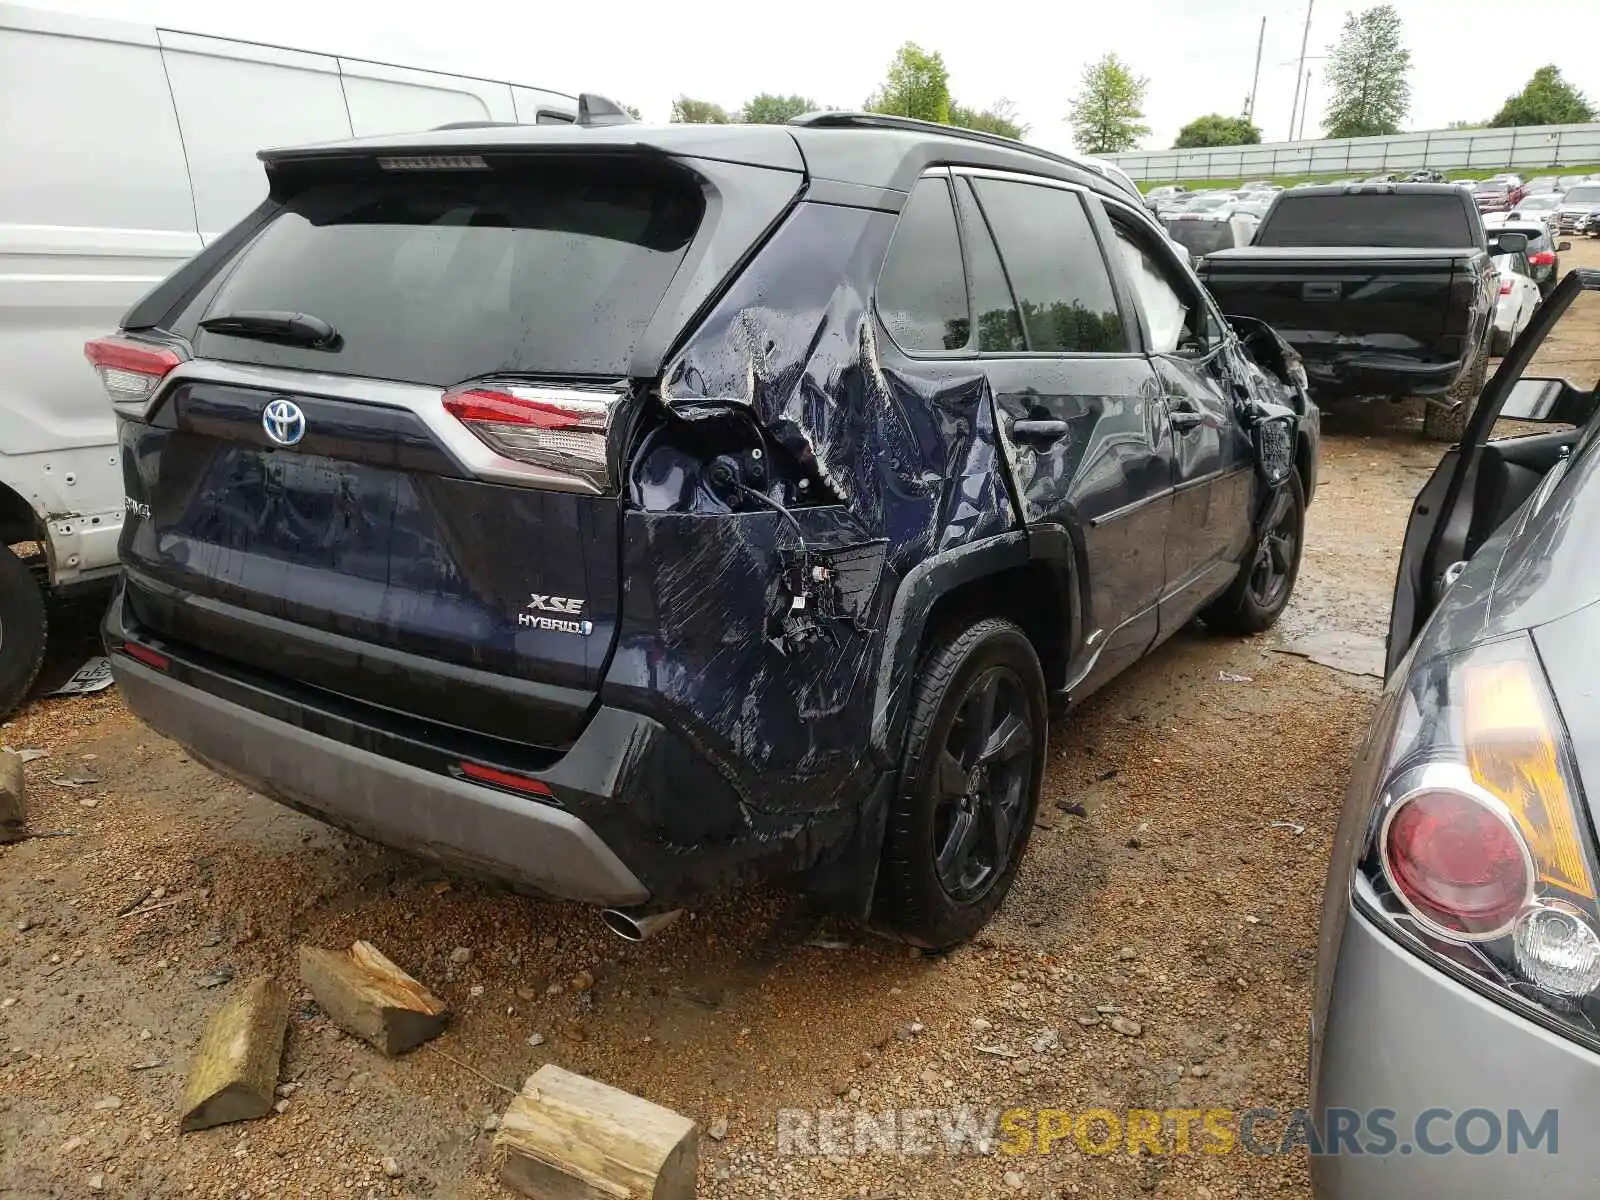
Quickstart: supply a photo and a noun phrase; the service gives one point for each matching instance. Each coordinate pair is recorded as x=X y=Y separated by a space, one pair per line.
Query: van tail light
x=1480 y=858
x=1505 y=287
x=1543 y=258
x=564 y=429
x=129 y=370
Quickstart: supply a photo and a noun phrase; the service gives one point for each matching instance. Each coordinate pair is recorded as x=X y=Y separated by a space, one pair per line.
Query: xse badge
x=531 y=617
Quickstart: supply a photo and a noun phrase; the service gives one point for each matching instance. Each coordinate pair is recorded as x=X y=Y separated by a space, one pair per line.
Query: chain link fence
x=1467 y=151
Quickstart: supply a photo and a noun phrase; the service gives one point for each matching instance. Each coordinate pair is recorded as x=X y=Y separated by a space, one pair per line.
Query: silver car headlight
x=1479 y=855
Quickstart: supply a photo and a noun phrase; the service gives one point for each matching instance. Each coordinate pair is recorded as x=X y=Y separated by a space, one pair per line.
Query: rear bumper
x=1365 y=374
x=1407 y=1045
x=458 y=823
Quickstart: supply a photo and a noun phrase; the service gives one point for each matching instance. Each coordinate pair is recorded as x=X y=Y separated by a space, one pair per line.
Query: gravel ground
x=1184 y=901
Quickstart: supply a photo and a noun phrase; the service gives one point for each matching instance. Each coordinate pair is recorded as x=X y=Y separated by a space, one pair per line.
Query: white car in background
x=1544 y=207
x=124 y=151
x=1518 y=301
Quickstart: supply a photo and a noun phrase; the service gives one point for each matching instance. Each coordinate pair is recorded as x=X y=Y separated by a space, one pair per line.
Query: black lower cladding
x=655 y=800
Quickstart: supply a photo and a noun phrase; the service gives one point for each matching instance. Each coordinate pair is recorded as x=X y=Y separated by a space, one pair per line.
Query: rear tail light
x=1480 y=857
x=129 y=370
x=1543 y=258
x=1505 y=287
x=1457 y=861
x=566 y=430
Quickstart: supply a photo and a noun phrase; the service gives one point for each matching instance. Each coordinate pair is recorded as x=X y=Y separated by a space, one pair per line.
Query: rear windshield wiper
x=300 y=329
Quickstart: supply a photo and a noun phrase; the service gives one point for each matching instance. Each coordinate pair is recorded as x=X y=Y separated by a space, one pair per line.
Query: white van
x=123 y=150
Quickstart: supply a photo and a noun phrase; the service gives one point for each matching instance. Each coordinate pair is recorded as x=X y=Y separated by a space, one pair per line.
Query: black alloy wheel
x=968 y=787
x=981 y=785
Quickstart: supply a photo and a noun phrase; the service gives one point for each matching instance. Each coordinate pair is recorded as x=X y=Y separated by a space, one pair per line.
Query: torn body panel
x=760 y=632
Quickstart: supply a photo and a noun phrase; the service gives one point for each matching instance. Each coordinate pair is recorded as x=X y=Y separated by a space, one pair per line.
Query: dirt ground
x=1185 y=900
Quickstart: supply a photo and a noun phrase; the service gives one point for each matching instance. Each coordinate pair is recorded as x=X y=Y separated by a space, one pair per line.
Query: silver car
x=1455 y=1040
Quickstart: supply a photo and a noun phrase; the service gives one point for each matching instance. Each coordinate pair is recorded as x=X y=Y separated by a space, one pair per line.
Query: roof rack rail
x=475 y=125
x=866 y=120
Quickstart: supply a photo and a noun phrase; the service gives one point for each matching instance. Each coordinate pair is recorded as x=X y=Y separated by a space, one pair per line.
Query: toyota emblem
x=284 y=422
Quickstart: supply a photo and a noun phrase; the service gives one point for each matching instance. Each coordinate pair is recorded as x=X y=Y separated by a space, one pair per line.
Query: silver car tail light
x=1479 y=855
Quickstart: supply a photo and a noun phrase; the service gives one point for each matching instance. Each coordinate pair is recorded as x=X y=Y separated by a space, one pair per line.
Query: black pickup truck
x=1386 y=290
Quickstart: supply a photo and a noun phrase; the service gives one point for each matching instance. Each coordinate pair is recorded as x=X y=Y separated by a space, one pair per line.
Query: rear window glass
x=1202 y=237
x=438 y=278
x=1583 y=195
x=1420 y=221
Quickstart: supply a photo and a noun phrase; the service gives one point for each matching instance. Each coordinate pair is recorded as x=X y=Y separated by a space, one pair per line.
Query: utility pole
x=1304 y=105
x=1305 y=39
x=1255 y=81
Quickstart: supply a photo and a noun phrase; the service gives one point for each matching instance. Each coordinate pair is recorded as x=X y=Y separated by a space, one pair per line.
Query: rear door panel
x=1106 y=469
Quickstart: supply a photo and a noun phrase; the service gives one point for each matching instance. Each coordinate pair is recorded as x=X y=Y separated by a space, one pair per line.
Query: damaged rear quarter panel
x=907 y=452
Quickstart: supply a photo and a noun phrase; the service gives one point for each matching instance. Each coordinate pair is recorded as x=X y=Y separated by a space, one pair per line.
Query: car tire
x=1499 y=343
x=968 y=787
x=1440 y=424
x=23 y=624
x=1260 y=592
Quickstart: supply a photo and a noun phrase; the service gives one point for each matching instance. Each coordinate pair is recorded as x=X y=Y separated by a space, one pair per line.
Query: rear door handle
x=1045 y=430
x=1185 y=416
x=1320 y=290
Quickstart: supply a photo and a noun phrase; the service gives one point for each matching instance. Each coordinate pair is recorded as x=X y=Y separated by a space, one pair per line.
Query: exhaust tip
x=633 y=926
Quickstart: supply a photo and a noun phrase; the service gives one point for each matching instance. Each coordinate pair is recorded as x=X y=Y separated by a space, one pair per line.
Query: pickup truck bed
x=1386 y=290
x=1391 y=321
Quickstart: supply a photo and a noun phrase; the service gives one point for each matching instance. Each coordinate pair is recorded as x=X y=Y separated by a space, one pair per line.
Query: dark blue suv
x=634 y=512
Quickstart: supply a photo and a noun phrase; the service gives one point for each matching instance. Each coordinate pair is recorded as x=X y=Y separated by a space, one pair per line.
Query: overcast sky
x=1197 y=54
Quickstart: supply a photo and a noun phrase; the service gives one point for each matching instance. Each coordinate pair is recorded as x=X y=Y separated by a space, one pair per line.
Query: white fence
x=1467 y=150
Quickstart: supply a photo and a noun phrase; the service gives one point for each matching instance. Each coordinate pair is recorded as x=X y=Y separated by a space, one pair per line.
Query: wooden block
x=570 y=1138
x=13 y=799
x=367 y=995
x=235 y=1067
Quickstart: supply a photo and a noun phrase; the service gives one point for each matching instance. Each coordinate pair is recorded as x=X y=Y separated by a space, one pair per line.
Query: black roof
x=851 y=148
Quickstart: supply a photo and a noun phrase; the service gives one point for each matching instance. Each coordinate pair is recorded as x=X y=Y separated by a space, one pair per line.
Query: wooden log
x=235 y=1067
x=13 y=799
x=566 y=1137
x=367 y=995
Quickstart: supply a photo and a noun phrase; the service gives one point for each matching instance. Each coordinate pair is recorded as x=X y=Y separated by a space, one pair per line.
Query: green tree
x=767 y=109
x=1000 y=117
x=1107 y=113
x=1367 y=74
x=632 y=112
x=918 y=85
x=1217 y=130
x=1467 y=125
x=686 y=111
x=1548 y=99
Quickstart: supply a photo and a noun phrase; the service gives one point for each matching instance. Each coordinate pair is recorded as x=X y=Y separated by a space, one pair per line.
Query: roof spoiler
x=597 y=110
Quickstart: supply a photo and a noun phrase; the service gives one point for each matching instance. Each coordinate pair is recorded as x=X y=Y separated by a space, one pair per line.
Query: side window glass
x=922 y=292
x=1166 y=314
x=999 y=323
x=1055 y=266
x=1178 y=321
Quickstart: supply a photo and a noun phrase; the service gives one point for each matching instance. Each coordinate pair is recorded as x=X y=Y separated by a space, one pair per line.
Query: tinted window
x=1055 y=266
x=439 y=277
x=1202 y=237
x=1396 y=219
x=999 y=323
x=922 y=293
x=1583 y=195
